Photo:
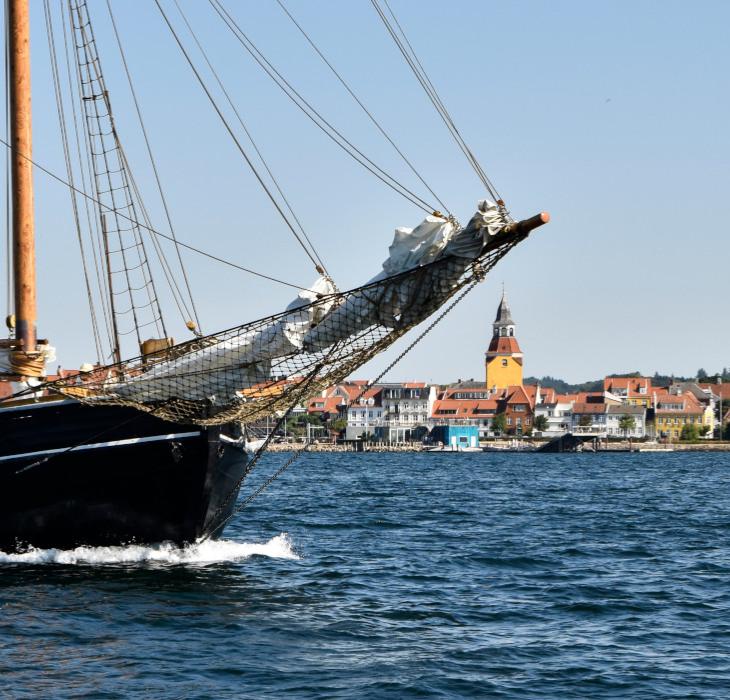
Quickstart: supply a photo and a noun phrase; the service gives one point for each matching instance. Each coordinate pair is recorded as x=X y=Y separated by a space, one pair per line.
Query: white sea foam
x=202 y=554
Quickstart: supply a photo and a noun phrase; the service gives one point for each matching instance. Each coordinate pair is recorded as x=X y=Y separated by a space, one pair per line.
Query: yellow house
x=504 y=357
x=674 y=411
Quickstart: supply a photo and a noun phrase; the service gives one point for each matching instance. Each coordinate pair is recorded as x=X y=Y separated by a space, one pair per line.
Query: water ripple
x=402 y=576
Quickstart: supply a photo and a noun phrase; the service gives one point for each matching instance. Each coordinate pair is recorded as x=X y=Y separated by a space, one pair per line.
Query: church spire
x=503 y=324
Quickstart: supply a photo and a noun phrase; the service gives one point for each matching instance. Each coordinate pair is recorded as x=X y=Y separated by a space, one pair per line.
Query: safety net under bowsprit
x=267 y=366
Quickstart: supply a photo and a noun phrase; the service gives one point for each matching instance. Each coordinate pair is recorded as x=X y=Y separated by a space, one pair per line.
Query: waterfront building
x=475 y=405
x=517 y=407
x=588 y=417
x=633 y=391
x=365 y=414
x=614 y=414
x=465 y=406
x=503 y=362
x=333 y=401
x=406 y=410
x=558 y=411
x=456 y=436
x=674 y=409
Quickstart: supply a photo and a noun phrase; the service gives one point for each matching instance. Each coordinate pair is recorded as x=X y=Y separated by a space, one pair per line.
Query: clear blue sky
x=611 y=115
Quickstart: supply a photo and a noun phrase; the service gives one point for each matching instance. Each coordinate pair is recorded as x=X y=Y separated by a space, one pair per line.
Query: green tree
x=499 y=423
x=540 y=423
x=585 y=420
x=704 y=429
x=626 y=423
x=701 y=375
x=339 y=424
x=689 y=432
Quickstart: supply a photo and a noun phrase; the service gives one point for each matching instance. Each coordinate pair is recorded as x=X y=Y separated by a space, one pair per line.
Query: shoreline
x=504 y=446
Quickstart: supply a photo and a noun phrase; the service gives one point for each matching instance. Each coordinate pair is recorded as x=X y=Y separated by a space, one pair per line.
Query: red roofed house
x=634 y=391
x=518 y=407
x=466 y=409
x=558 y=411
x=675 y=409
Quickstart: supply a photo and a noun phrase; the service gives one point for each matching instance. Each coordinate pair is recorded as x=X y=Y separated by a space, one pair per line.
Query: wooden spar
x=22 y=175
x=116 y=351
x=527 y=225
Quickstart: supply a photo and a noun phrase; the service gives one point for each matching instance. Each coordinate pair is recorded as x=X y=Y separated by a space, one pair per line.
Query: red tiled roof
x=504 y=344
x=589 y=397
x=591 y=408
x=328 y=405
x=631 y=385
x=688 y=401
x=464 y=408
x=516 y=395
x=372 y=393
x=687 y=409
x=548 y=394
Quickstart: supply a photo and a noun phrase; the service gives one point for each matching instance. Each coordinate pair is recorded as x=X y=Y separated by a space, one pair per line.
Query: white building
x=603 y=420
x=365 y=414
x=614 y=414
x=559 y=416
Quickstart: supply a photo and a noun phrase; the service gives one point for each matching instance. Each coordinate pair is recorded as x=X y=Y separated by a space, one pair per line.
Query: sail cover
x=269 y=365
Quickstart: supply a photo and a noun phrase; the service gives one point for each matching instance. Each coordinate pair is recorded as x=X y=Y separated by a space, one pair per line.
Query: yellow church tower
x=504 y=357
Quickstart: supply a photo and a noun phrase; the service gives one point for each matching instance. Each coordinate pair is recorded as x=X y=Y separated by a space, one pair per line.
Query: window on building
x=504 y=363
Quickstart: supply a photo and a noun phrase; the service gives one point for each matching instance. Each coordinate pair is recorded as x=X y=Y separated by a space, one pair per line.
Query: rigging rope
x=112 y=184
x=92 y=199
x=248 y=133
x=236 y=140
x=298 y=453
x=69 y=171
x=325 y=126
x=155 y=171
x=362 y=105
x=85 y=169
x=411 y=58
x=166 y=268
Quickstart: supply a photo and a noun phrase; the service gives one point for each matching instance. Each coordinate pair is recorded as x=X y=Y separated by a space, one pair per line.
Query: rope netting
x=263 y=368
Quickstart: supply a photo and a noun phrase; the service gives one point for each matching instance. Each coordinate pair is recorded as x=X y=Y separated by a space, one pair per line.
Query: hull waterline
x=75 y=475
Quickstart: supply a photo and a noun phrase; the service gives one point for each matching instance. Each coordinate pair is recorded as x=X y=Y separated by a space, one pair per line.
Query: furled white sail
x=230 y=365
x=321 y=321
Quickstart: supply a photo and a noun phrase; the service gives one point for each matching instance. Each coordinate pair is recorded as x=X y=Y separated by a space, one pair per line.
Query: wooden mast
x=22 y=182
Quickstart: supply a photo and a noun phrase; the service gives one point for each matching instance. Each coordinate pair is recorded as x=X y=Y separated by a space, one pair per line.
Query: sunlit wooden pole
x=22 y=174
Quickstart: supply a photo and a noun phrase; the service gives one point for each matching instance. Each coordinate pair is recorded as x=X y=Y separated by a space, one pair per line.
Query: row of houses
x=631 y=407
x=503 y=404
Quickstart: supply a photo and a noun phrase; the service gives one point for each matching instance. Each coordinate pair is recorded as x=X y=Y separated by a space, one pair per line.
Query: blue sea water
x=402 y=576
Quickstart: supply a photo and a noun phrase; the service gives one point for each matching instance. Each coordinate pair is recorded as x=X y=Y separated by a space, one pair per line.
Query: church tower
x=504 y=357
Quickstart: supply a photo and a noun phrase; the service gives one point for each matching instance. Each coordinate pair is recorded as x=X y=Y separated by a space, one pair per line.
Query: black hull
x=130 y=477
